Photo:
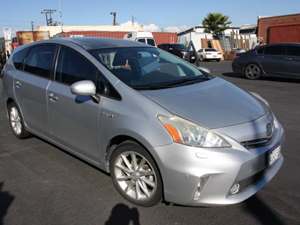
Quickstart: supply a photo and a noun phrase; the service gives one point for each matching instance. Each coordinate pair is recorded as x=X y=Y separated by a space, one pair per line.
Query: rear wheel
x=16 y=121
x=135 y=175
x=252 y=72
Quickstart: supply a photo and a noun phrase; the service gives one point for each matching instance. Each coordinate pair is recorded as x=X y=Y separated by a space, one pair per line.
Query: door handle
x=18 y=84
x=53 y=97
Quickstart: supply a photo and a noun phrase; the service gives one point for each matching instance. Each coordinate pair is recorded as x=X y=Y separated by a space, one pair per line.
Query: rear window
x=18 y=58
x=150 y=42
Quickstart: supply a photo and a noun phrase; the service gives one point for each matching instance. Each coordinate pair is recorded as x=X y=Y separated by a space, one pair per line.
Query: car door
x=293 y=60
x=30 y=86
x=74 y=120
x=273 y=60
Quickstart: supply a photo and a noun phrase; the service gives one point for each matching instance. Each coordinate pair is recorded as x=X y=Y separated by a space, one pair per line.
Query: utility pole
x=132 y=20
x=48 y=14
x=32 y=26
x=114 y=14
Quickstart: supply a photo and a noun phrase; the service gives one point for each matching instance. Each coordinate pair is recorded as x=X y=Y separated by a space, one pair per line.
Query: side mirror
x=84 y=88
x=206 y=70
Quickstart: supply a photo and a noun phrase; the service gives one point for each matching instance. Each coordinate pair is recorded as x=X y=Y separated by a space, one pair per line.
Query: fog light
x=235 y=189
x=199 y=187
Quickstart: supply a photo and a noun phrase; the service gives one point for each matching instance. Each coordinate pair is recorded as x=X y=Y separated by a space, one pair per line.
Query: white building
x=197 y=34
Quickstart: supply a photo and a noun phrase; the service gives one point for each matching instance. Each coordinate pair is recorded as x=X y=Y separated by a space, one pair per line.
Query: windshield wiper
x=172 y=84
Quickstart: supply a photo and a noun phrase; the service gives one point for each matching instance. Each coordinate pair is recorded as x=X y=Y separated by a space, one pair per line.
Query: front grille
x=256 y=143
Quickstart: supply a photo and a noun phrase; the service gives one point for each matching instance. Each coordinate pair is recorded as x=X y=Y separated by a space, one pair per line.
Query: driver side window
x=73 y=67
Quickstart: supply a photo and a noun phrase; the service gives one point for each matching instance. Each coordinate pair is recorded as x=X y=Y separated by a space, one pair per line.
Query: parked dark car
x=269 y=60
x=176 y=49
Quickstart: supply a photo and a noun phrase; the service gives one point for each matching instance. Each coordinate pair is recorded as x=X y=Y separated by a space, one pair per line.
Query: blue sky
x=164 y=13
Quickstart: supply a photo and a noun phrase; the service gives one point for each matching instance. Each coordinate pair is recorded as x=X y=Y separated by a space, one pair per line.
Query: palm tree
x=216 y=23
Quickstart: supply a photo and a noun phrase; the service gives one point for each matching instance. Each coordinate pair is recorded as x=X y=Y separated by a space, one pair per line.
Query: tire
x=252 y=71
x=140 y=182
x=16 y=121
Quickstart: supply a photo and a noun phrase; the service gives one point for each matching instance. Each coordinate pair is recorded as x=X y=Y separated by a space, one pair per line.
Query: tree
x=216 y=23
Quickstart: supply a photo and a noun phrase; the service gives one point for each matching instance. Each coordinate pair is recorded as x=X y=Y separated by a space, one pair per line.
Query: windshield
x=148 y=67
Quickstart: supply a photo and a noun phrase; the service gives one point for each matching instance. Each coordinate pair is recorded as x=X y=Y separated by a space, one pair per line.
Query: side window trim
x=26 y=55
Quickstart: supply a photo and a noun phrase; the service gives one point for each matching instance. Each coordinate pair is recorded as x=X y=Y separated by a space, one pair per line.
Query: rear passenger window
x=40 y=59
x=293 y=50
x=275 y=50
x=18 y=58
x=73 y=67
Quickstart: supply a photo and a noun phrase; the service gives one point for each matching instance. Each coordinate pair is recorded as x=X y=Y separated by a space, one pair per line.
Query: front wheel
x=135 y=174
x=252 y=72
x=16 y=121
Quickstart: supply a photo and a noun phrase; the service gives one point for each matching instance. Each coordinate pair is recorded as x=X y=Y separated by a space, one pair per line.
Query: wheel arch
x=117 y=140
x=255 y=63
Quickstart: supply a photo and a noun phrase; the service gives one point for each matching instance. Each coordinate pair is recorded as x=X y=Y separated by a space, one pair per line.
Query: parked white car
x=144 y=37
x=206 y=54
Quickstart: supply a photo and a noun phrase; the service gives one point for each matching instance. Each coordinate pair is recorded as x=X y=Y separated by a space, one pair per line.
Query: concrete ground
x=42 y=185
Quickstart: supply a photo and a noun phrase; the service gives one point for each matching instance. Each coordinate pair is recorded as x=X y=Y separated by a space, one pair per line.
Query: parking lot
x=41 y=184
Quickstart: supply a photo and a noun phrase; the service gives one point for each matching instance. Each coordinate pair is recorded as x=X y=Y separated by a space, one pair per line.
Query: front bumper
x=186 y=170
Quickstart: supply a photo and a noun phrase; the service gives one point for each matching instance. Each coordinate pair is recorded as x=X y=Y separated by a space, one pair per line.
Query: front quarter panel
x=134 y=116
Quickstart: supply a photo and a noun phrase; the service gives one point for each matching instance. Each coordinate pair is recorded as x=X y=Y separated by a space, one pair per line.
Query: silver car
x=161 y=127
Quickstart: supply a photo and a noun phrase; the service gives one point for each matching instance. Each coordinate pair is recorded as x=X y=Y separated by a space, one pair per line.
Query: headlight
x=188 y=133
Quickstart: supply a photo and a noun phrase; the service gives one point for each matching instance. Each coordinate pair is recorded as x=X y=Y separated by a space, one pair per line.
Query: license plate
x=274 y=155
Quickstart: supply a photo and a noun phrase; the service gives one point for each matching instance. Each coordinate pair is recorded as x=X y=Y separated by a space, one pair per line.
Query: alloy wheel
x=15 y=120
x=135 y=176
x=252 y=72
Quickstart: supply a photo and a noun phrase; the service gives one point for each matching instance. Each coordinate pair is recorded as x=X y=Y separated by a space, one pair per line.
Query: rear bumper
x=212 y=173
x=209 y=57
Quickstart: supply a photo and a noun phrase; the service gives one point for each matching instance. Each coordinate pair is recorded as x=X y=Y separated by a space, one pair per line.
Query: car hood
x=213 y=104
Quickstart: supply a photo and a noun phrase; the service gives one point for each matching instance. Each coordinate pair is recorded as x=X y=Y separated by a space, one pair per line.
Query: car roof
x=90 y=43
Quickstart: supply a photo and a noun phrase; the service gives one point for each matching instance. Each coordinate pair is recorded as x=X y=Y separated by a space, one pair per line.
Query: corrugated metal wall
x=264 y=24
x=281 y=34
x=160 y=37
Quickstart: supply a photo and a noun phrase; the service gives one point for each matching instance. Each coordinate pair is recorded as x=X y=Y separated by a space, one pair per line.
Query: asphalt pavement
x=41 y=184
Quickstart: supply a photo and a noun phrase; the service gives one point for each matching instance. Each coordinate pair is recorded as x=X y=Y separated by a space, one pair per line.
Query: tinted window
x=18 y=58
x=274 y=50
x=293 y=50
x=150 y=42
x=164 y=46
x=261 y=50
x=179 y=47
x=73 y=67
x=39 y=61
x=141 y=40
